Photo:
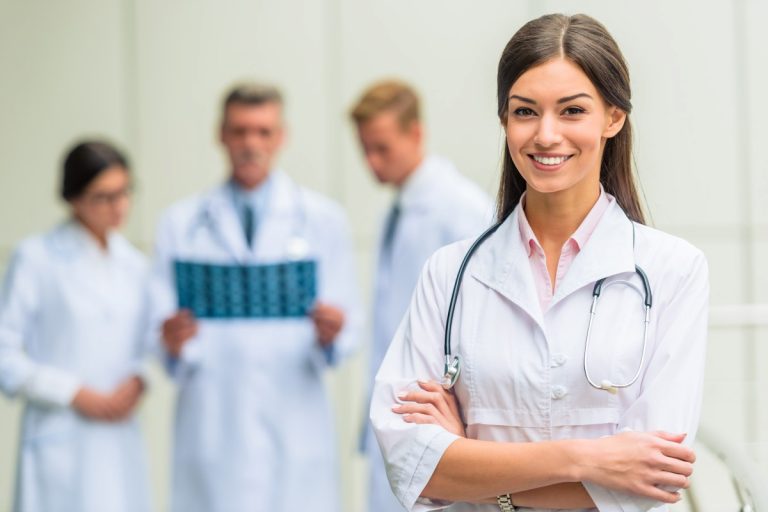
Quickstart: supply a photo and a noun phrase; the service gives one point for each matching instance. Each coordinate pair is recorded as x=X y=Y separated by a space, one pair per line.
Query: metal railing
x=749 y=482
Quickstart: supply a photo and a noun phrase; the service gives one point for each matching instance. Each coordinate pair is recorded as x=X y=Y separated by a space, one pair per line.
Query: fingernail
x=401 y=395
x=396 y=408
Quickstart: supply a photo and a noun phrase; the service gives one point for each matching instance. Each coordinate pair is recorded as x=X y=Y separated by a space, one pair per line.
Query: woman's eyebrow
x=571 y=98
x=561 y=100
x=523 y=99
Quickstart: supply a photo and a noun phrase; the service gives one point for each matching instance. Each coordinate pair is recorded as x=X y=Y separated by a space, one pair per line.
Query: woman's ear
x=615 y=118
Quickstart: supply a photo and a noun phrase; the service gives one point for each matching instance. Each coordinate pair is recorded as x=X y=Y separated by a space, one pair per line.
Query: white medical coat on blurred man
x=435 y=205
x=254 y=429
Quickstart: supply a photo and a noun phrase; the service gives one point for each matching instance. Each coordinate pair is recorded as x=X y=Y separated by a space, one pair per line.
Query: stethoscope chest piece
x=297 y=248
x=452 y=372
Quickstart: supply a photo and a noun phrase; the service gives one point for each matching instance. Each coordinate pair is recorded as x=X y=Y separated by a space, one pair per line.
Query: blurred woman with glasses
x=71 y=326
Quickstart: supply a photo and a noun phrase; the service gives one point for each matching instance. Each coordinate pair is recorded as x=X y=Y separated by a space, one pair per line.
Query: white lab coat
x=438 y=206
x=254 y=428
x=71 y=316
x=523 y=376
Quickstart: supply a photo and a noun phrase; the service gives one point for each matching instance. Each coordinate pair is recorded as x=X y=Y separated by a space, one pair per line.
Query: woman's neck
x=98 y=236
x=554 y=217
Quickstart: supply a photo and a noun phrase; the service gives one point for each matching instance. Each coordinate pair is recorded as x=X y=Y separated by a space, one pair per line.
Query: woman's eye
x=572 y=111
x=523 y=112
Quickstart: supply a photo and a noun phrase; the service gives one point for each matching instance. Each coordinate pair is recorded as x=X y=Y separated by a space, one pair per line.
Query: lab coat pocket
x=49 y=452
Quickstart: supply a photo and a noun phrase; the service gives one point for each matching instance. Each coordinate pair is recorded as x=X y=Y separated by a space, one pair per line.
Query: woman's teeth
x=550 y=160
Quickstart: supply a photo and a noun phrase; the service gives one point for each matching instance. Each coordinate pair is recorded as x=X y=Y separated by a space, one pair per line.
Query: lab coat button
x=558 y=392
x=558 y=360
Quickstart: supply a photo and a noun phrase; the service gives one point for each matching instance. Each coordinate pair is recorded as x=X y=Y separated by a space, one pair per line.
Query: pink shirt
x=569 y=251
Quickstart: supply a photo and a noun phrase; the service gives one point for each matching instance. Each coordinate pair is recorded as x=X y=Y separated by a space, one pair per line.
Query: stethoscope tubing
x=452 y=368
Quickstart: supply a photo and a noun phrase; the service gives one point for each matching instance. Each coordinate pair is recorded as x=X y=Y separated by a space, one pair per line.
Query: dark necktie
x=248 y=224
x=389 y=230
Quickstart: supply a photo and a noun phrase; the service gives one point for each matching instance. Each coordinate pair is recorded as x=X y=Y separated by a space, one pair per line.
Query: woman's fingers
x=670 y=436
x=426 y=409
x=678 y=451
x=679 y=467
x=434 y=394
x=423 y=419
x=657 y=494
x=447 y=396
x=671 y=480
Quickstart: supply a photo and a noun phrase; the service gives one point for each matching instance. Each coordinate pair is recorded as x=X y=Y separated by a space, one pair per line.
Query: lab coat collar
x=502 y=262
x=76 y=238
x=608 y=252
x=225 y=220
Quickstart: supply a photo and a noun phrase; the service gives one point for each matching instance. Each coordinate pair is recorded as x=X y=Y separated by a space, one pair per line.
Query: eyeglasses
x=109 y=198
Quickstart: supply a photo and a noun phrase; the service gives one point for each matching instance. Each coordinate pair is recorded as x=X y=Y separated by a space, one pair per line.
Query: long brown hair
x=585 y=42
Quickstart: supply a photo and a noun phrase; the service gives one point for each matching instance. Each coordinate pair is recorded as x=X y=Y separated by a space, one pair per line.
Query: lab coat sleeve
x=412 y=452
x=163 y=300
x=19 y=307
x=339 y=288
x=672 y=384
x=148 y=345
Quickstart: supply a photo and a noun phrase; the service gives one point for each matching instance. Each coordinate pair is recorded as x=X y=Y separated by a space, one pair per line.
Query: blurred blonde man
x=434 y=205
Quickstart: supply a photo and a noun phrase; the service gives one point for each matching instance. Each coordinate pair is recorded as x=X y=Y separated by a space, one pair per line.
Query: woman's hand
x=640 y=463
x=126 y=396
x=115 y=406
x=433 y=404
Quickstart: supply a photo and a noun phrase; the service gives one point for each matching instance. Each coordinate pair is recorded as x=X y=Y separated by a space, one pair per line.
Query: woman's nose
x=548 y=132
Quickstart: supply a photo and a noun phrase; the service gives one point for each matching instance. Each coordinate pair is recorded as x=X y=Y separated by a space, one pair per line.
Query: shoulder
x=441 y=268
x=673 y=258
x=130 y=255
x=457 y=197
x=183 y=215
x=34 y=249
x=40 y=251
x=180 y=211
x=322 y=207
x=456 y=183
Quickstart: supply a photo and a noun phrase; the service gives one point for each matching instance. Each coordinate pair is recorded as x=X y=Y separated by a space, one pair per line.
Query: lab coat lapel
x=502 y=265
x=280 y=218
x=608 y=252
x=226 y=225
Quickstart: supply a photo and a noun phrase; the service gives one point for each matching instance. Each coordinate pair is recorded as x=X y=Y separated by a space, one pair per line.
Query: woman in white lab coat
x=70 y=331
x=537 y=418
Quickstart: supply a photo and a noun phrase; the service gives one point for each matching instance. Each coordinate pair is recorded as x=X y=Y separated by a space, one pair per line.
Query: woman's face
x=557 y=124
x=104 y=203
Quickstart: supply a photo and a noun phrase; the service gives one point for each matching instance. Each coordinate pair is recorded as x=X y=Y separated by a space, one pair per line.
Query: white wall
x=150 y=76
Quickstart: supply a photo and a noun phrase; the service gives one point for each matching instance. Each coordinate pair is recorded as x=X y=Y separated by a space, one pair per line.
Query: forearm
x=471 y=470
x=558 y=496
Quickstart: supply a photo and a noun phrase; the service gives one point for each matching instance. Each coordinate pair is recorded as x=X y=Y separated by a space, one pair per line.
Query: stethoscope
x=453 y=363
x=297 y=246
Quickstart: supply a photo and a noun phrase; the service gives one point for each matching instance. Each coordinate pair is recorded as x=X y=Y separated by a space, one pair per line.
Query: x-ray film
x=273 y=290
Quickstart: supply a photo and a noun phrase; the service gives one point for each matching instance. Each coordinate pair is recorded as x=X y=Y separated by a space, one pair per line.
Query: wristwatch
x=505 y=503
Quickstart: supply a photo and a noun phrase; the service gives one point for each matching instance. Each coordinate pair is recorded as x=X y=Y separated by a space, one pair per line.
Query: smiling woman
x=523 y=426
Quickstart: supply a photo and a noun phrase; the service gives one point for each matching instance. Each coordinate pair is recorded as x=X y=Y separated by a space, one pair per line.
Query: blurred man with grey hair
x=256 y=297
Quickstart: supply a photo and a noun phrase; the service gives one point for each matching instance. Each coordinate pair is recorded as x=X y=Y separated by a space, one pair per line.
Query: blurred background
x=150 y=75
